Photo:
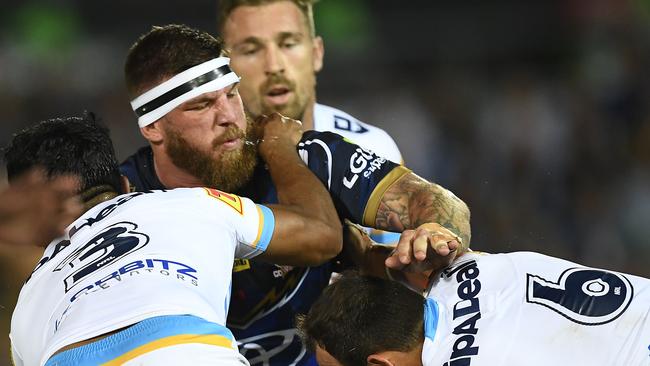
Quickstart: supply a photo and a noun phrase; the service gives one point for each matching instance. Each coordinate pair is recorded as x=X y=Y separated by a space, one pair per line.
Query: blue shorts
x=161 y=340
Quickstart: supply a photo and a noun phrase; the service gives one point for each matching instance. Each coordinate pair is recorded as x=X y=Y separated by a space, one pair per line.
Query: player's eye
x=249 y=50
x=289 y=44
x=233 y=91
x=198 y=106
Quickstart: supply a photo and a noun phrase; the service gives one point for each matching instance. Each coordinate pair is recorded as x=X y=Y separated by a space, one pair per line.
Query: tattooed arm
x=435 y=229
x=370 y=190
x=412 y=201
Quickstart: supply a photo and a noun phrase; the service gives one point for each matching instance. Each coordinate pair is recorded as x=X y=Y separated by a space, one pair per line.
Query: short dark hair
x=164 y=52
x=74 y=145
x=227 y=6
x=365 y=314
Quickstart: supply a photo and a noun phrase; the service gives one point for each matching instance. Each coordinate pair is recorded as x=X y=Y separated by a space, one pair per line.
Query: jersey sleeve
x=253 y=224
x=356 y=178
x=392 y=151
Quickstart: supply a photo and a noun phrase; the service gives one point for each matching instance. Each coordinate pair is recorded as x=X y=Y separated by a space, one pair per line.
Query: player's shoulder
x=328 y=118
x=191 y=197
x=178 y=198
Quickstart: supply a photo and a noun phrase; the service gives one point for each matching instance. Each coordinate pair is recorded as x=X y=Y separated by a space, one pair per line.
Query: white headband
x=207 y=77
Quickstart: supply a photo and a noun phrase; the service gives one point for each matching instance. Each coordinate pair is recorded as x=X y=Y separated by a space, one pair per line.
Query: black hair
x=358 y=316
x=164 y=52
x=79 y=146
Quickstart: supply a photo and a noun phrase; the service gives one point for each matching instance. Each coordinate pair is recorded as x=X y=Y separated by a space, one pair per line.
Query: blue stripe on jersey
x=430 y=318
x=384 y=237
x=268 y=221
x=138 y=335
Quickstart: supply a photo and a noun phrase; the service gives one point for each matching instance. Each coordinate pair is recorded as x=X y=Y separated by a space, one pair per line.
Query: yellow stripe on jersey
x=212 y=339
x=260 y=226
x=372 y=206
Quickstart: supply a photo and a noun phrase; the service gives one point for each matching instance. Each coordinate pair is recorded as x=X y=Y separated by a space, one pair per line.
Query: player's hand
x=34 y=210
x=360 y=250
x=430 y=247
x=278 y=132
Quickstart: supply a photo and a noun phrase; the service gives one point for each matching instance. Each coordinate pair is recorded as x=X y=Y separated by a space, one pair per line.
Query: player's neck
x=93 y=196
x=170 y=175
x=308 y=116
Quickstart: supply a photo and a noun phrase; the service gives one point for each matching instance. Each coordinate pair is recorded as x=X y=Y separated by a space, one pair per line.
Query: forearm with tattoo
x=412 y=201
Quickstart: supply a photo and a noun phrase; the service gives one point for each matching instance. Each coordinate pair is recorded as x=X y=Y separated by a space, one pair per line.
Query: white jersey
x=367 y=136
x=530 y=309
x=137 y=256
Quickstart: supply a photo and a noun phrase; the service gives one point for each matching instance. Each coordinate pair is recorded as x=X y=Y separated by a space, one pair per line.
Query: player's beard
x=229 y=172
x=296 y=106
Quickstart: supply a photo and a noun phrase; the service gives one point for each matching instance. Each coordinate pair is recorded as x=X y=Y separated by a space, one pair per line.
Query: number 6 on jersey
x=583 y=295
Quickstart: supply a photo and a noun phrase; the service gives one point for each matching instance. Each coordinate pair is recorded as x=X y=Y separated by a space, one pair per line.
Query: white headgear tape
x=207 y=77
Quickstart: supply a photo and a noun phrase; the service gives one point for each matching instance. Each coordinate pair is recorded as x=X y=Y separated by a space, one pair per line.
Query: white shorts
x=163 y=340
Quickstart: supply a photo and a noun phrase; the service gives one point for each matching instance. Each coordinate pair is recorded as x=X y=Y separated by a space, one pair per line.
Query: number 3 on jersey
x=583 y=295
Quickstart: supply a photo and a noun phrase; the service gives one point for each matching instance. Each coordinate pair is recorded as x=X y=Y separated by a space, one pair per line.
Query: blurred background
x=535 y=113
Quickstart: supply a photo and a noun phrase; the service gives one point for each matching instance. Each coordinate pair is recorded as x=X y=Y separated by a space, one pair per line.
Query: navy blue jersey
x=266 y=297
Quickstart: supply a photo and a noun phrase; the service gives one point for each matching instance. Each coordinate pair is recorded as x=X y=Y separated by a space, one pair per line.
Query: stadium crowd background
x=535 y=113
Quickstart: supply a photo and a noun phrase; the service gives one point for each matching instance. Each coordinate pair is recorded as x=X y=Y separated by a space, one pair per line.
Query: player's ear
x=318 y=53
x=378 y=360
x=153 y=132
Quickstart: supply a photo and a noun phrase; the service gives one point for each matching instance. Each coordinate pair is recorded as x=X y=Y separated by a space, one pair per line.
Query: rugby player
x=145 y=277
x=520 y=308
x=274 y=48
x=196 y=139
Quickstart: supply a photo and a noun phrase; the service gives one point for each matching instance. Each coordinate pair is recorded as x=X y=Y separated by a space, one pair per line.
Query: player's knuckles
x=422 y=231
x=441 y=247
x=420 y=243
x=406 y=237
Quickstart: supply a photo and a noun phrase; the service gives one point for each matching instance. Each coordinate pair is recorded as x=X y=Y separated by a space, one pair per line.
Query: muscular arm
x=307 y=229
x=412 y=201
x=415 y=207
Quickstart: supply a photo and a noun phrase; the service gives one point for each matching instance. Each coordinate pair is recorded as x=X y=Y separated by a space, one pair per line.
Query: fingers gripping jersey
x=135 y=257
x=531 y=309
x=266 y=297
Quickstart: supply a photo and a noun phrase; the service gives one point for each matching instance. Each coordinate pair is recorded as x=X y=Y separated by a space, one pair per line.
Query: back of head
x=227 y=6
x=365 y=314
x=164 y=52
x=74 y=145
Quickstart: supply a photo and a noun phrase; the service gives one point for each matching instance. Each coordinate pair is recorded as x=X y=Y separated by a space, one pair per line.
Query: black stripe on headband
x=182 y=89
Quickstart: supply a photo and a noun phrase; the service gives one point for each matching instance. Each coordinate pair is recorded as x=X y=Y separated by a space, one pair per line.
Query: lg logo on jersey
x=361 y=160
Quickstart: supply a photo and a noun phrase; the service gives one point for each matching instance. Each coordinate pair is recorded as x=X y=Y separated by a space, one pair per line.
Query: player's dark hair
x=358 y=316
x=164 y=52
x=227 y=6
x=74 y=145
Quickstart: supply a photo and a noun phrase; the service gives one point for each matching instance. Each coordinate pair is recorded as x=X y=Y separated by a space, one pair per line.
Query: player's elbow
x=327 y=242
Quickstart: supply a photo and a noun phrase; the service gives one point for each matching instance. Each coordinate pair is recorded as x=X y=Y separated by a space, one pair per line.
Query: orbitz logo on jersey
x=162 y=267
x=466 y=314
